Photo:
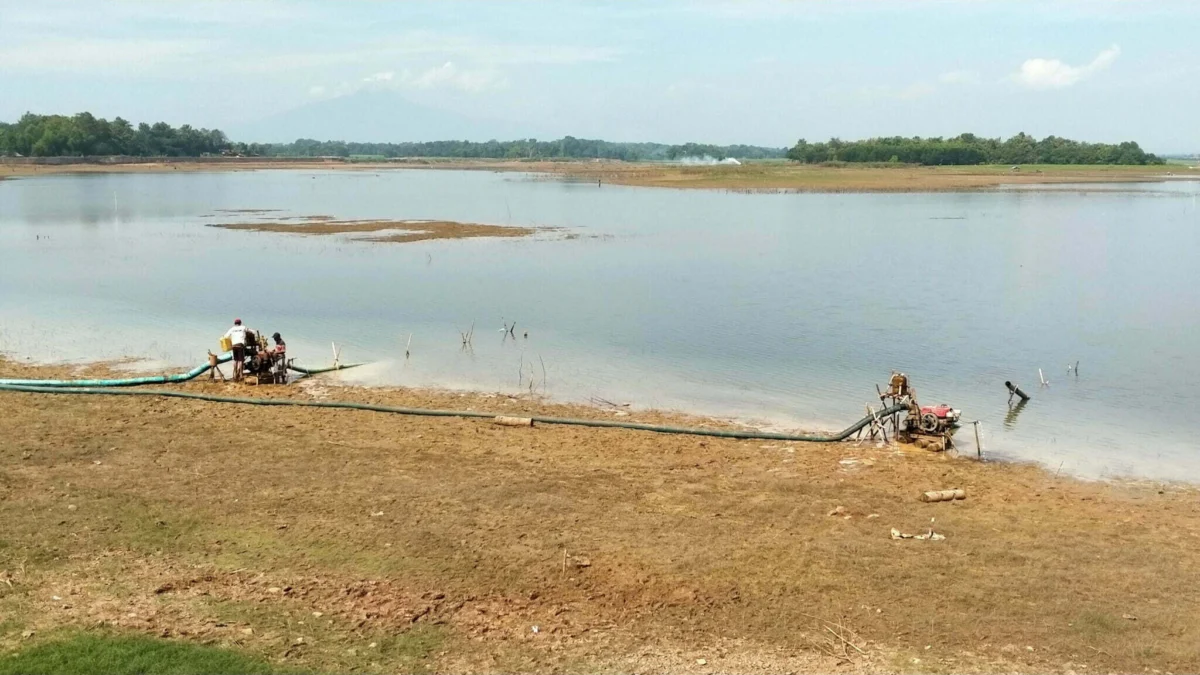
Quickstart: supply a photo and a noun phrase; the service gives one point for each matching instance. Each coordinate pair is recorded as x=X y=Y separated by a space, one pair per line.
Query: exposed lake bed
x=382 y=231
x=779 y=309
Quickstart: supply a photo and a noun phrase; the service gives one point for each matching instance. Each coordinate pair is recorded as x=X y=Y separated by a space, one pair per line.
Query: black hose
x=745 y=435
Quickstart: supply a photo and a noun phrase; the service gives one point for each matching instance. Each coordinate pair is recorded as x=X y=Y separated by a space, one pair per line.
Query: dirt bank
x=751 y=177
x=396 y=231
x=337 y=540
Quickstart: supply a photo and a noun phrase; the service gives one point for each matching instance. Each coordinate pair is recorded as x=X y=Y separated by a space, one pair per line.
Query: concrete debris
x=943 y=495
x=930 y=535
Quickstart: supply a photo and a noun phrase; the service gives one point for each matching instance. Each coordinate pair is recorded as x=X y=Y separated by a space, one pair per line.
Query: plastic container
x=226 y=344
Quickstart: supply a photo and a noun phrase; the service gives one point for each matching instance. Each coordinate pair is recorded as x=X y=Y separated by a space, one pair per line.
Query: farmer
x=237 y=335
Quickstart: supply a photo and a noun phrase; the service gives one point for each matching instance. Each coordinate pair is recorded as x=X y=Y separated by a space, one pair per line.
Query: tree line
x=84 y=135
x=567 y=147
x=970 y=149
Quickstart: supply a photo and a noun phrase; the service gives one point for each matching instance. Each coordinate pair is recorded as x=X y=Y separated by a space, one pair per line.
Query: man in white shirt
x=237 y=335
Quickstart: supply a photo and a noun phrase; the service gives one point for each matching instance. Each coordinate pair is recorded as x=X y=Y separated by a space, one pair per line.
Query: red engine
x=943 y=411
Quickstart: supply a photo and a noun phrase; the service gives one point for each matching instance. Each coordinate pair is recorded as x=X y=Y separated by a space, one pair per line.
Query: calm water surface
x=785 y=309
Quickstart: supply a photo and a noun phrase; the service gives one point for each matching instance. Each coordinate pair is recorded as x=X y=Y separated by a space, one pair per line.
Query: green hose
x=750 y=435
x=157 y=379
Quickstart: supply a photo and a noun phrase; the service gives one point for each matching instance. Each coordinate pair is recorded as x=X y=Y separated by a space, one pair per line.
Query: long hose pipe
x=753 y=435
x=157 y=379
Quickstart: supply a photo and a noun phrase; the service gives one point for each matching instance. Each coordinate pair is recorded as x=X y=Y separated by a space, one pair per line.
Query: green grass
x=117 y=655
x=341 y=647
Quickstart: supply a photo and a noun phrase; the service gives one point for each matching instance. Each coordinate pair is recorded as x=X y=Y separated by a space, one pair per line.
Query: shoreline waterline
x=520 y=404
x=751 y=177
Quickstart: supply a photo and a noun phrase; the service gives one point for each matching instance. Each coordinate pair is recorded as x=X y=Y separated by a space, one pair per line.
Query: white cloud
x=915 y=90
x=959 y=77
x=426 y=43
x=912 y=92
x=450 y=75
x=446 y=76
x=55 y=14
x=78 y=56
x=1054 y=74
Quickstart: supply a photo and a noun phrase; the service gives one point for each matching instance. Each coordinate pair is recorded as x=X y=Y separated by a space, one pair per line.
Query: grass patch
x=115 y=655
x=1099 y=626
x=335 y=645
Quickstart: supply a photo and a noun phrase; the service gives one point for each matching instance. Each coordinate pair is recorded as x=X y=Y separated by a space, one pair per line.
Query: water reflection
x=1014 y=411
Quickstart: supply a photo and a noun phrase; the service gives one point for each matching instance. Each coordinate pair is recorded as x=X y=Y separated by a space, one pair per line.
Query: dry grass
x=752 y=176
x=785 y=176
x=397 y=231
x=630 y=551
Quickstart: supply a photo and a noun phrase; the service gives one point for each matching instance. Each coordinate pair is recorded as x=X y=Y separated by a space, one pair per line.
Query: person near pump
x=237 y=335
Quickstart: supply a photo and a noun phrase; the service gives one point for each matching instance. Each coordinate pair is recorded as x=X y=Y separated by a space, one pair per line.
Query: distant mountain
x=377 y=116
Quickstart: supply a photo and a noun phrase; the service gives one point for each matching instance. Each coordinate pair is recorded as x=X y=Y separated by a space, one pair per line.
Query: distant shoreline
x=766 y=176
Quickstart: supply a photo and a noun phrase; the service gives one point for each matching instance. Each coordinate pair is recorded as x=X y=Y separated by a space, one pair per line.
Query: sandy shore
x=394 y=543
x=750 y=177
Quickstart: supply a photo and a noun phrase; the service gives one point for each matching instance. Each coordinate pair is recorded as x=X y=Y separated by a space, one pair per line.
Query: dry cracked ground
x=333 y=540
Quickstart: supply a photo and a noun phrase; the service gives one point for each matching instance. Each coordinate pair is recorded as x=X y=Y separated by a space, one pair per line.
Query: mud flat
x=395 y=231
x=350 y=541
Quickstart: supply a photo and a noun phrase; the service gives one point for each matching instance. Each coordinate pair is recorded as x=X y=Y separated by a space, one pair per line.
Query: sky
x=764 y=72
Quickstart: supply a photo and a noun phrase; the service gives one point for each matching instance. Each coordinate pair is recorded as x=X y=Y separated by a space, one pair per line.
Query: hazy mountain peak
x=375 y=116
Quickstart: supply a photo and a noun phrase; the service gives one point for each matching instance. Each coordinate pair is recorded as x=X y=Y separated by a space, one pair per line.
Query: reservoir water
x=781 y=309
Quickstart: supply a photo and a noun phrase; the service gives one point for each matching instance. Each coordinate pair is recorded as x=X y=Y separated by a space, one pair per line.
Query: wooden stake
x=978 y=444
x=882 y=428
x=212 y=362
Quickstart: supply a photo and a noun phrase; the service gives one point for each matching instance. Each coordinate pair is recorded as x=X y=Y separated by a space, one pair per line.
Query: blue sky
x=754 y=71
